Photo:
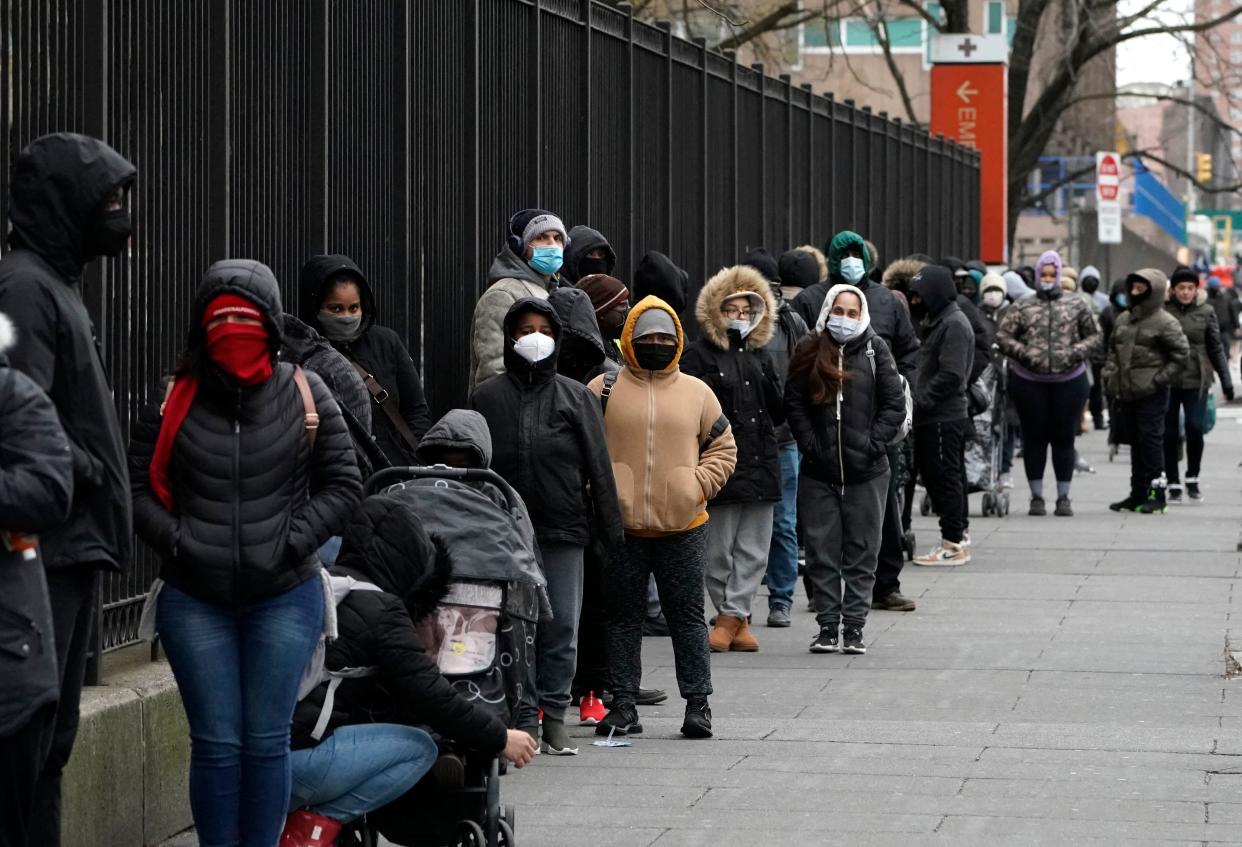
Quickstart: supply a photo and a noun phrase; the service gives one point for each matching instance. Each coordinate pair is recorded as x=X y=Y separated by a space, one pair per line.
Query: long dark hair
x=817 y=361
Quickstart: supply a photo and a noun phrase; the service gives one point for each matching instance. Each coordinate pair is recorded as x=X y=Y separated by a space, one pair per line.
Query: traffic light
x=1203 y=167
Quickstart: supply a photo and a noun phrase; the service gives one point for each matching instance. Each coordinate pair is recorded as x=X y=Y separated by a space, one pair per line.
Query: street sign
x=970 y=105
x=968 y=48
x=1108 y=197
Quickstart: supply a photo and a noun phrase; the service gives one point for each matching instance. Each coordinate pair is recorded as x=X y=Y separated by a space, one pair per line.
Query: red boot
x=307 y=829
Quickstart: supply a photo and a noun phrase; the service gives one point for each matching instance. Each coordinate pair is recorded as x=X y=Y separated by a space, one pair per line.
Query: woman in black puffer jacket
x=236 y=488
x=846 y=404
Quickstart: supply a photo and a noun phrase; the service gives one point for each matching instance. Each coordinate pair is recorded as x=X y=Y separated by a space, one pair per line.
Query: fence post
x=667 y=27
x=701 y=43
x=536 y=63
x=630 y=129
x=734 y=144
x=831 y=159
x=588 y=104
x=762 y=169
x=811 y=187
x=789 y=148
x=474 y=132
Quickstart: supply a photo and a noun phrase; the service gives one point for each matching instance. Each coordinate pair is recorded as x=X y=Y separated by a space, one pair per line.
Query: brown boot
x=720 y=639
x=744 y=641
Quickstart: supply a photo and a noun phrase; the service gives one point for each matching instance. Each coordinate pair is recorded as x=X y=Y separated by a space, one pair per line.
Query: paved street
x=1064 y=688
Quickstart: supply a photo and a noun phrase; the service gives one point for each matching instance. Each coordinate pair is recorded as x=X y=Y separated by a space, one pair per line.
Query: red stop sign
x=1108 y=192
x=1108 y=166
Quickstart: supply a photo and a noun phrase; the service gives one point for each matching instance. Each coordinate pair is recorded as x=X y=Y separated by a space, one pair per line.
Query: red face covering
x=241 y=351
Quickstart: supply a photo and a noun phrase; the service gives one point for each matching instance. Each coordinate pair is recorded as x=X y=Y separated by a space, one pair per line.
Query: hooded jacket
x=1049 y=334
x=889 y=320
x=1147 y=350
x=583 y=353
x=845 y=441
x=387 y=546
x=799 y=269
x=993 y=282
x=59 y=185
x=548 y=441
x=948 y=352
x=1207 y=349
x=252 y=500
x=509 y=280
x=744 y=378
x=582 y=240
x=1225 y=304
x=657 y=276
x=36 y=493
x=378 y=350
x=1117 y=298
x=659 y=426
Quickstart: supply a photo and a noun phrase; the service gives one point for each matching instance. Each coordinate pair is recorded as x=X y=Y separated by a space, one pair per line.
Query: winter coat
x=251 y=500
x=378 y=350
x=845 y=441
x=947 y=355
x=1148 y=350
x=582 y=240
x=659 y=426
x=59 y=183
x=36 y=493
x=790 y=330
x=1207 y=350
x=583 y=353
x=1108 y=317
x=983 y=331
x=1050 y=333
x=509 y=279
x=387 y=546
x=657 y=276
x=1226 y=307
x=746 y=381
x=548 y=441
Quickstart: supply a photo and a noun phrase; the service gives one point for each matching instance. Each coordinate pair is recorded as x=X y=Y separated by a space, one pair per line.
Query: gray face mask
x=340 y=327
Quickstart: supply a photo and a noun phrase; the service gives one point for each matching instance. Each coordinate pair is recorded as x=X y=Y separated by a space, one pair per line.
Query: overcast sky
x=1154 y=58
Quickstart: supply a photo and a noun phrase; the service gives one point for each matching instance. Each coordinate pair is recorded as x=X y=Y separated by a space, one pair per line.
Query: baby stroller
x=483 y=637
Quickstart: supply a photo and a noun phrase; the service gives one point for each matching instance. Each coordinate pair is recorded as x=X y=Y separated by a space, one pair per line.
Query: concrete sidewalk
x=1064 y=688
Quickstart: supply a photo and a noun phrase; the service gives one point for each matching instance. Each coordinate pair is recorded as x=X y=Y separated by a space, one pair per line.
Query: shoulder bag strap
x=308 y=405
x=610 y=379
x=380 y=395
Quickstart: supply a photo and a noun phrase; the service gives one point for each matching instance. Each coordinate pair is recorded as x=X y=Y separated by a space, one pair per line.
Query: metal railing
x=405 y=133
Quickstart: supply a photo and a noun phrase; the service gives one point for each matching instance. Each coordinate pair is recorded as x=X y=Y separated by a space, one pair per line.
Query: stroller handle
x=390 y=476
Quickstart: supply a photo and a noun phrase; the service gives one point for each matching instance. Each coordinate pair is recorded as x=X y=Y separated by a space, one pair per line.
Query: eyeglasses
x=735 y=312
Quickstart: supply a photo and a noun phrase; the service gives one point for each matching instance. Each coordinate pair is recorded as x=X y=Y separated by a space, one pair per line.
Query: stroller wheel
x=925 y=505
x=509 y=814
x=987 y=504
x=1002 y=505
x=506 y=835
x=908 y=542
x=470 y=834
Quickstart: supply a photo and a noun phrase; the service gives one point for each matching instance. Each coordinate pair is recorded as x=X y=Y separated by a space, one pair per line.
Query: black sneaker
x=621 y=720
x=826 y=642
x=698 y=722
x=1127 y=505
x=1155 y=504
x=854 y=641
x=1175 y=492
x=894 y=601
x=1064 y=509
x=1192 y=490
x=1038 y=509
x=650 y=697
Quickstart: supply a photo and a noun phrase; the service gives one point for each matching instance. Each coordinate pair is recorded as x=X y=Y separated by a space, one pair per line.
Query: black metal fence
x=405 y=133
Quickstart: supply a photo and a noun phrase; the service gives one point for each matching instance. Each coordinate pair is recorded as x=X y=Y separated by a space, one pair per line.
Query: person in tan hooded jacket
x=672 y=450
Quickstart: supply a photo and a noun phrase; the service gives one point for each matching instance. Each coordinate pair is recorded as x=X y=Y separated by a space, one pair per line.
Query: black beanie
x=761 y=260
x=798 y=269
x=1183 y=274
x=657 y=275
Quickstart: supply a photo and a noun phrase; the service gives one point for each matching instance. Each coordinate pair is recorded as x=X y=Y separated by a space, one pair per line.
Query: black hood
x=386 y=545
x=763 y=261
x=1118 y=291
x=517 y=366
x=60 y=182
x=320 y=274
x=247 y=277
x=657 y=275
x=934 y=286
x=459 y=429
x=798 y=269
x=582 y=240
x=581 y=341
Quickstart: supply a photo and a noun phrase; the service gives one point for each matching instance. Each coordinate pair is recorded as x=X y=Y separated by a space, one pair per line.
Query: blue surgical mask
x=1123 y=301
x=852 y=269
x=547 y=259
x=741 y=326
x=1048 y=286
x=842 y=328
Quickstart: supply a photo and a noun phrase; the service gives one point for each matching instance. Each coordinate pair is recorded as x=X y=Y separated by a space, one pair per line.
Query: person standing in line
x=940 y=408
x=239 y=476
x=846 y=405
x=1226 y=310
x=36 y=493
x=672 y=450
x=611 y=300
x=1050 y=339
x=68 y=205
x=587 y=253
x=737 y=317
x=1189 y=393
x=1147 y=352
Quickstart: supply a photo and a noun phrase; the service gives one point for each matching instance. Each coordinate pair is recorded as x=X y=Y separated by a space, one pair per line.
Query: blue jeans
x=782 y=576
x=358 y=769
x=238 y=670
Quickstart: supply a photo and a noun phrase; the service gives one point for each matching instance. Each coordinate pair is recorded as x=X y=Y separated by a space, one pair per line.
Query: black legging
x=1194 y=400
x=1050 y=412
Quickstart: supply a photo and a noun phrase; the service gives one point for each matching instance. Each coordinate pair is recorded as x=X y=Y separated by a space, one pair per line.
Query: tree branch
x=773 y=20
x=1181 y=171
x=880 y=29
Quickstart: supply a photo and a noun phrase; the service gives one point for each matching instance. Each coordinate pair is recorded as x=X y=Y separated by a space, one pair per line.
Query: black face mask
x=918 y=311
x=110 y=233
x=588 y=266
x=654 y=357
x=1136 y=299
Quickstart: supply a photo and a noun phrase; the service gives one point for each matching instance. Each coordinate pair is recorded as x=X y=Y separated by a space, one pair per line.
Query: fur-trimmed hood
x=8 y=334
x=729 y=282
x=898 y=274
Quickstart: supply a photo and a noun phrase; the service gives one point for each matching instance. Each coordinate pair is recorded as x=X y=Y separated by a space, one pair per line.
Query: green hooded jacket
x=1147 y=349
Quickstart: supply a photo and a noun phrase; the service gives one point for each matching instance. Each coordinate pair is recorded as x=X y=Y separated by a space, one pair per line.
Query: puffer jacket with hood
x=548 y=441
x=659 y=426
x=993 y=282
x=583 y=353
x=509 y=280
x=845 y=441
x=1052 y=333
x=582 y=240
x=891 y=322
x=252 y=501
x=59 y=186
x=1207 y=350
x=36 y=493
x=745 y=379
x=377 y=349
x=948 y=352
x=387 y=547
x=1147 y=350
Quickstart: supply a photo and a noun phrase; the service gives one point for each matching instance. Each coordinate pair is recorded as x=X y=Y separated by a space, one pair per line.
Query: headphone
x=515 y=241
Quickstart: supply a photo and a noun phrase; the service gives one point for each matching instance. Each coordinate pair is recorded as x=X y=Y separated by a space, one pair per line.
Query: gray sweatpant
x=556 y=653
x=738 y=538
x=841 y=528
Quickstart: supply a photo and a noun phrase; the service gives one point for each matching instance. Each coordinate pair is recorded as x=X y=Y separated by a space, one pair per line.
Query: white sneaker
x=1006 y=481
x=947 y=554
x=965 y=539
